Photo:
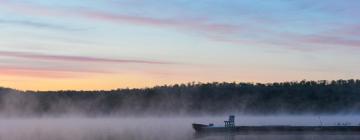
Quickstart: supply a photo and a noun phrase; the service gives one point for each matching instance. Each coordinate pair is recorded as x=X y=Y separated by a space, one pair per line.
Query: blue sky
x=106 y=44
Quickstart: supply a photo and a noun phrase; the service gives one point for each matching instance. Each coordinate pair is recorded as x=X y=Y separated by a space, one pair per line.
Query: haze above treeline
x=300 y=97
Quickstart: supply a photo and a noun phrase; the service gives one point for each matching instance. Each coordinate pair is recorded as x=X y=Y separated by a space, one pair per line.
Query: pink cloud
x=351 y=30
x=340 y=37
x=330 y=40
x=29 y=55
x=36 y=72
x=213 y=31
x=200 y=25
x=62 y=72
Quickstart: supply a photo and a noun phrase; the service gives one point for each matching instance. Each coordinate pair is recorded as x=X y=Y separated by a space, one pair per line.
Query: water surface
x=156 y=128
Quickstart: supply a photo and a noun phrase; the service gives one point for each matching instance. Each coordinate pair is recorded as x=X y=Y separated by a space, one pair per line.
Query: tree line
x=298 y=97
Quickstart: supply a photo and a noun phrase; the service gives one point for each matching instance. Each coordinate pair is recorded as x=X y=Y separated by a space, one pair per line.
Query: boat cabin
x=230 y=122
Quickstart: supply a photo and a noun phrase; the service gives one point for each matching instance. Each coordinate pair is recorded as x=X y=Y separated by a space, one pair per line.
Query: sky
x=110 y=44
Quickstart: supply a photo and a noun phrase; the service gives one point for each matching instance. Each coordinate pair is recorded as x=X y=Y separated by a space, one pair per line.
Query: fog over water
x=145 y=116
x=156 y=128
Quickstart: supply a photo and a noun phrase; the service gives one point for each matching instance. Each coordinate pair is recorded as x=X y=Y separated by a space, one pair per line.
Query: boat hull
x=274 y=129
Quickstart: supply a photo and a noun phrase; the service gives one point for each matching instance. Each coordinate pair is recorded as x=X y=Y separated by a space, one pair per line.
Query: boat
x=230 y=127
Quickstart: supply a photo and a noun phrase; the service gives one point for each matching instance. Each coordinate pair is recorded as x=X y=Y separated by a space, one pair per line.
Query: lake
x=158 y=128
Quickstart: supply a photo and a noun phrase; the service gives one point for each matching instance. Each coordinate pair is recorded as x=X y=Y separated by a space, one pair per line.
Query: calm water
x=151 y=128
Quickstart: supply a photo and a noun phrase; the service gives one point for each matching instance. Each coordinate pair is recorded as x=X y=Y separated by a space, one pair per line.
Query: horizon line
x=179 y=84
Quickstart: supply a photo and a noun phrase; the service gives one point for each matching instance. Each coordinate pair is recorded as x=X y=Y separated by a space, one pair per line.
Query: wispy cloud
x=190 y=24
x=51 y=71
x=39 y=72
x=30 y=55
x=39 y=25
x=343 y=36
x=329 y=40
x=201 y=25
x=232 y=33
x=350 y=30
x=222 y=32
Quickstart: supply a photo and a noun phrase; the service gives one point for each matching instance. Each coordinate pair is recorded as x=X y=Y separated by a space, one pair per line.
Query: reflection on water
x=152 y=128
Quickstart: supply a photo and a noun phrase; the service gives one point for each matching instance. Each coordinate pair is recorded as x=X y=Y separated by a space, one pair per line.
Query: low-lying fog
x=155 y=128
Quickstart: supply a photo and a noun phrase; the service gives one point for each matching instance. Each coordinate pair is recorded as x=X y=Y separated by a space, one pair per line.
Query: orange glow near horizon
x=91 y=81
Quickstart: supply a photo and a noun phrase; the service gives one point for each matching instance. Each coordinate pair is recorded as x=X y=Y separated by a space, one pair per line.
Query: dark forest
x=302 y=97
